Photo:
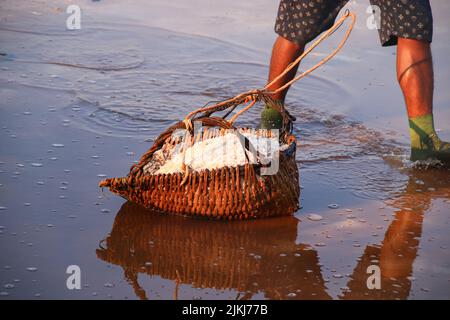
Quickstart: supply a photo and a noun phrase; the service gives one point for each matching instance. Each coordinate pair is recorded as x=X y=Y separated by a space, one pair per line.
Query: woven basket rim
x=290 y=140
x=292 y=144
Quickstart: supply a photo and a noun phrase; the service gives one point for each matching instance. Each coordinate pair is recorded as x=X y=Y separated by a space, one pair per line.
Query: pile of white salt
x=222 y=151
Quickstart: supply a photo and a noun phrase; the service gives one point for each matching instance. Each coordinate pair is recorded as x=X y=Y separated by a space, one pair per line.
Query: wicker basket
x=239 y=192
x=231 y=192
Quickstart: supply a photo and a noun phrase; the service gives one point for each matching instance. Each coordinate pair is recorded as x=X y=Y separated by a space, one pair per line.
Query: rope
x=258 y=94
x=325 y=35
x=252 y=102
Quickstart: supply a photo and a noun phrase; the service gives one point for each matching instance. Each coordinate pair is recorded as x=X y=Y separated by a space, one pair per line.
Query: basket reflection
x=249 y=257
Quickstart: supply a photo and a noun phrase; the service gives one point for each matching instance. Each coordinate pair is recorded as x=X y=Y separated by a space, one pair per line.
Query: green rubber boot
x=271 y=118
x=425 y=144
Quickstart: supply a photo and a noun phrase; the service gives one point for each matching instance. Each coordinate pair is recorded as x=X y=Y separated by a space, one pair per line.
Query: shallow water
x=79 y=106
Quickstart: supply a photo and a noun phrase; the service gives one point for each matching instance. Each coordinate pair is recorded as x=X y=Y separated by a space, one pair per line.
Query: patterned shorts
x=300 y=21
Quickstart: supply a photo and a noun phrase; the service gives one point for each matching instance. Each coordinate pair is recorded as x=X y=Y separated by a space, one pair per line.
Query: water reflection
x=245 y=256
x=262 y=256
x=397 y=252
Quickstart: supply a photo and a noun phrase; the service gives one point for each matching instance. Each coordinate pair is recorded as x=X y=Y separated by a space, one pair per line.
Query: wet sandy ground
x=78 y=106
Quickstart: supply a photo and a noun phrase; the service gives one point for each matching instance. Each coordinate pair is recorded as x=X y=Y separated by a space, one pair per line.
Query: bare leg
x=415 y=76
x=283 y=53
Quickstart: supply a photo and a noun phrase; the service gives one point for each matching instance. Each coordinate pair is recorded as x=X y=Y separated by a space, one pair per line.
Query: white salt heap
x=218 y=152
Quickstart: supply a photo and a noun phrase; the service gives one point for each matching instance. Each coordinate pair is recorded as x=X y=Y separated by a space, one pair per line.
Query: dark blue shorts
x=300 y=21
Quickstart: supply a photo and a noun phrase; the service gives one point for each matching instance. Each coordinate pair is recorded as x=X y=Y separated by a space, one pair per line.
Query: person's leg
x=284 y=52
x=415 y=76
x=409 y=24
x=298 y=22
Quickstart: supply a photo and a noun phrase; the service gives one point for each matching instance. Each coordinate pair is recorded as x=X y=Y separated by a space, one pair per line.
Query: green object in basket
x=271 y=118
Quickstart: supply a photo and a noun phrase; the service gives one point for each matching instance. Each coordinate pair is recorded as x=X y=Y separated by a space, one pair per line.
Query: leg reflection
x=396 y=254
